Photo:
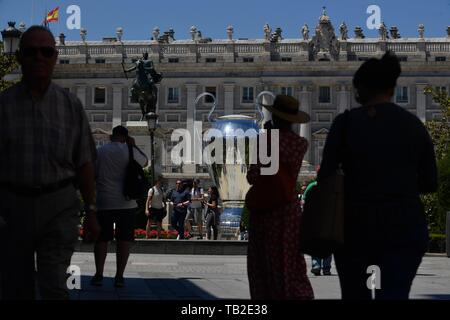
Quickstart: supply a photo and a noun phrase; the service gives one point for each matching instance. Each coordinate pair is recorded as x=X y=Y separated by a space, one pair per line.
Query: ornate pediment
x=321 y=133
x=99 y=131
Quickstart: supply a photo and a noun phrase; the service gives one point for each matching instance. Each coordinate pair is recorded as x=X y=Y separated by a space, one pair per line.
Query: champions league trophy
x=229 y=175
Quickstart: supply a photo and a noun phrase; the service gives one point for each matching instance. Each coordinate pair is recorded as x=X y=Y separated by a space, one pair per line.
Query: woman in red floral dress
x=276 y=269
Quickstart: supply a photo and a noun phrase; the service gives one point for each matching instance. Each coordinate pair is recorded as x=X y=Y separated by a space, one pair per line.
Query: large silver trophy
x=238 y=137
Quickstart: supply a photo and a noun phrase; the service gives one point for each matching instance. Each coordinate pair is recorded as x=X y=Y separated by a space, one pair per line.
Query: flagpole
x=32 y=12
x=57 y=27
x=45 y=18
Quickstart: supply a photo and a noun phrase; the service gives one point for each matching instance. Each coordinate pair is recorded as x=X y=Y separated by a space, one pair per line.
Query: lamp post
x=152 y=119
x=11 y=38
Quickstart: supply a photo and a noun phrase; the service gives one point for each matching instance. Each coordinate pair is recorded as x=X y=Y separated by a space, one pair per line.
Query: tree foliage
x=437 y=204
x=7 y=65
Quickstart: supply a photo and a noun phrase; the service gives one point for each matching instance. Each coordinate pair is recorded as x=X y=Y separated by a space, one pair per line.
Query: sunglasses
x=31 y=52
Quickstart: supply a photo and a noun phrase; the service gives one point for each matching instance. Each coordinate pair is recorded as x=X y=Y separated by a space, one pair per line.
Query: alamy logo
x=374 y=280
x=74 y=19
x=233 y=146
x=74 y=279
x=374 y=20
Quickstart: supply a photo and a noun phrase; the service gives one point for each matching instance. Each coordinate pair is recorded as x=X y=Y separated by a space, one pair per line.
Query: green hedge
x=437 y=243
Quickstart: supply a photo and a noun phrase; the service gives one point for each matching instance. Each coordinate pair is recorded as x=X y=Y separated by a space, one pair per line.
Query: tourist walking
x=114 y=209
x=276 y=268
x=318 y=265
x=388 y=159
x=47 y=153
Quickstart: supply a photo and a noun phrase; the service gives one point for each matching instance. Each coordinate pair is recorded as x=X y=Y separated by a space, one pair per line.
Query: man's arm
x=148 y=202
x=86 y=180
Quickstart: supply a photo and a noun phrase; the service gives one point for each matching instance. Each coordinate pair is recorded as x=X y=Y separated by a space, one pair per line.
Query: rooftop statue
x=305 y=32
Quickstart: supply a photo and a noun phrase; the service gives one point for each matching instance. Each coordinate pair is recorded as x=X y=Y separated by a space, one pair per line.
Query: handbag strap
x=130 y=152
x=343 y=146
x=131 y=148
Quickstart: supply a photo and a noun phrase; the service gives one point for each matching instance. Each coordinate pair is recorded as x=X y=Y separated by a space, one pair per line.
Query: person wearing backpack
x=155 y=208
x=114 y=208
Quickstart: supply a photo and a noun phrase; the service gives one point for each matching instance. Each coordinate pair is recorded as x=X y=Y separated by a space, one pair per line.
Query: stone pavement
x=212 y=277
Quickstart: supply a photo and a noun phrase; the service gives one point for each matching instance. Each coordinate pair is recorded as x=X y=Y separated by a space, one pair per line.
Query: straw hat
x=287 y=108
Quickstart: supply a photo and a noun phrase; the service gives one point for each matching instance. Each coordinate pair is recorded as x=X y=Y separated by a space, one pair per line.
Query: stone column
x=81 y=94
x=343 y=97
x=229 y=98
x=117 y=105
x=189 y=167
x=421 y=101
x=305 y=128
x=160 y=96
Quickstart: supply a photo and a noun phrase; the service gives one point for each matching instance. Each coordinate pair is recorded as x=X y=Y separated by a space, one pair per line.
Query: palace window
x=213 y=91
x=247 y=95
x=287 y=91
x=173 y=95
x=99 y=95
x=401 y=95
x=324 y=94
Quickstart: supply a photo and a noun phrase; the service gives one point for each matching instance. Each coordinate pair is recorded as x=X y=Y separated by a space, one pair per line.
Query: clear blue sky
x=138 y=17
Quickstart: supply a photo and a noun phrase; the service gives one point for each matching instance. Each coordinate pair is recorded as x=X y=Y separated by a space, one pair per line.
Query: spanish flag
x=52 y=16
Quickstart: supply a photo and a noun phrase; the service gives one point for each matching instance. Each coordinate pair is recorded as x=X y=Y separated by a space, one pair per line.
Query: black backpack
x=136 y=184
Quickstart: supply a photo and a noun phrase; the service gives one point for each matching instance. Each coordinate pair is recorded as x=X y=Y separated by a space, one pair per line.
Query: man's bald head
x=31 y=30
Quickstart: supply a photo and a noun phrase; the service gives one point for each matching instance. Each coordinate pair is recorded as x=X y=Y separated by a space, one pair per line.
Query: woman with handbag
x=388 y=159
x=276 y=268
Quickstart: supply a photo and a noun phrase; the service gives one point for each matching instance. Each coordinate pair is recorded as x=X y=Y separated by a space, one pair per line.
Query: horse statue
x=144 y=88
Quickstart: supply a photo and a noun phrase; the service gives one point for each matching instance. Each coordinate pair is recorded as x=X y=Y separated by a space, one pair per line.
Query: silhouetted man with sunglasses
x=47 y=153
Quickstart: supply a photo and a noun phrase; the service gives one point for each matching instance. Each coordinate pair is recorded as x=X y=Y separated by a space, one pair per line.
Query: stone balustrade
x=182 y=49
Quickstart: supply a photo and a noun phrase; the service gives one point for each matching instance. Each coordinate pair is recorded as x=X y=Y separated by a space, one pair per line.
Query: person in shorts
x=113 y=207
x=195 y=210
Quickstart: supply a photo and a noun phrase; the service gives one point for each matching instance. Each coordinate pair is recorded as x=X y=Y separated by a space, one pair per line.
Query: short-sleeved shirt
x=110 y=172
x=178 y=197
x=45 y=140
x=196 y=193
x=157 y=197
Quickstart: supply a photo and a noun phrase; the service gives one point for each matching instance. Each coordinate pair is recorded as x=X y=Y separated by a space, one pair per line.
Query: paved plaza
x=212 y=277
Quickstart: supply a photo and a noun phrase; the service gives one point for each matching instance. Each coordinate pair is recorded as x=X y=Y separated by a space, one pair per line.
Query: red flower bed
x=142 y=234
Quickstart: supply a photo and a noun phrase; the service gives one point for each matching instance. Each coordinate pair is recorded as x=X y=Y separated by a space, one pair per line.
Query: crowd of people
x=48 y=152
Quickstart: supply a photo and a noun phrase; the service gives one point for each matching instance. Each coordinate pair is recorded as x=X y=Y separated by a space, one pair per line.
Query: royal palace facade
x=317 y=70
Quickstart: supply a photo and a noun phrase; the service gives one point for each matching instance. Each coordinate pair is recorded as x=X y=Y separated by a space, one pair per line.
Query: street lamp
x=11 y=38
x=152 y=119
